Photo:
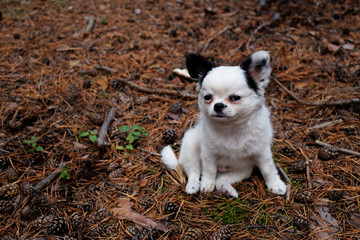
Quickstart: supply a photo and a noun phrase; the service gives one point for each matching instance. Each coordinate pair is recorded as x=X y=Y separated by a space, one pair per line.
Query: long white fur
x=238 y=142
x=169 y=158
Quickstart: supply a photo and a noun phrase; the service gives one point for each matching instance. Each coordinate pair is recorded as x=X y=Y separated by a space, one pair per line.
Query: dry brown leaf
x=125 y=212
x=325 y=225
x=143 y=182
x=103 y=82
x=333 y=47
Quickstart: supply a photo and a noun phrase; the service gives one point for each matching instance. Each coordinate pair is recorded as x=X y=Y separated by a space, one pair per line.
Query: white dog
x=233 y=133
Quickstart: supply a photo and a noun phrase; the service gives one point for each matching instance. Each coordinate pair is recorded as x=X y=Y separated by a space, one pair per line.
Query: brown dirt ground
x=51 y=89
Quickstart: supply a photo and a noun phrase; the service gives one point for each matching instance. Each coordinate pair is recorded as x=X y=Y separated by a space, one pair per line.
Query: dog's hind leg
x=189 y=160
x=224 y=181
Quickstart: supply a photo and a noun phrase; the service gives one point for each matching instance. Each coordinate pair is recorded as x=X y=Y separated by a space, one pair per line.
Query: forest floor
x=67 y=65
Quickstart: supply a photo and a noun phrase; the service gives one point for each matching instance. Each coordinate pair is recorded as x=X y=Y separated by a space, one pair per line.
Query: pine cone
x=9 y=190
x=301 y=223
x=116 y=173
x=169 y=136
x=304 y=197
x=57 y=226
x=328 y=153
x=71 y=94
x=65 y=237
x=27 y=189
x=176 y=108
x=298 y=167
x=113 y=166
x=40 y=201
x=95 y=118
x=335 y=195
x=146 y=202
x=223 y=233
x=3 y=163
x=11 y=174
x=287 y=151
x=43 y=221
x=96 y=217
x=27 y=212
x=133 y=231
x=76 y=220
x=171 y=207
x=192 y=234
x=340 y=176
x=6 y=207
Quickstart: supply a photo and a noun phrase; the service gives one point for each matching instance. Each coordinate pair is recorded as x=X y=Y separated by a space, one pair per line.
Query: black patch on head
x=250 y=81
x=198 y=66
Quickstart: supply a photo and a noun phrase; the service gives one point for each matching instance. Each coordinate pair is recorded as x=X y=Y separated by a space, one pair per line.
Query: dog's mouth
x=220 y=116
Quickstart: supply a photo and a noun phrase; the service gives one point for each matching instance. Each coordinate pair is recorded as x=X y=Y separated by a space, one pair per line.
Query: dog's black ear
x=258 y=70
x=198 y=66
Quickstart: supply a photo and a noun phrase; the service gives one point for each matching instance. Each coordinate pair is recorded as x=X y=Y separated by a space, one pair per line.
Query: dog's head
x=230 y=92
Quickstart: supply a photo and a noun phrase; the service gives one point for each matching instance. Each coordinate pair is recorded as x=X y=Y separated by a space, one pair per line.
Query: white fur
x=223 y=148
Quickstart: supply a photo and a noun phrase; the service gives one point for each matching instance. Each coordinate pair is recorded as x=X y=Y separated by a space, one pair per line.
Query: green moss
x=229 y=212
x=264 y=218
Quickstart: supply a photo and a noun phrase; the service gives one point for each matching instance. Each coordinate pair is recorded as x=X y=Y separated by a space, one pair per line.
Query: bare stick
x=255 y=32
x=338 y=148
x=287 y=180
x=307 y=168
x=104 y=127
x=335 y=103
x=159 y=91
x=105 y=68
x=46 y=181
x=91 y=23
x=325 y=124
x=217 y=35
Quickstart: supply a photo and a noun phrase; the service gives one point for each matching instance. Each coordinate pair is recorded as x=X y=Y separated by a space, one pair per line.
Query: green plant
x=33 y=143
x=90 y=134
x=229 y=212
x=65 y=173
x=103 y=20
x=134 y=134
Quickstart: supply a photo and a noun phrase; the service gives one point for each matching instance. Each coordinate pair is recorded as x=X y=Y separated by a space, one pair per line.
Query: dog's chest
x=234 y=146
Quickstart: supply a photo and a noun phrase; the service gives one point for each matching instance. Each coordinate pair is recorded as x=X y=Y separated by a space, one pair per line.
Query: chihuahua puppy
x=233 y=133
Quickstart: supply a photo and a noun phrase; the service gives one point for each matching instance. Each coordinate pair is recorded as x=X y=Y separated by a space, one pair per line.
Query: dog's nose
x=218 y=107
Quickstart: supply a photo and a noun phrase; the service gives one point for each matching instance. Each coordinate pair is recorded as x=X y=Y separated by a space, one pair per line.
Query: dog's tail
x=169 y=158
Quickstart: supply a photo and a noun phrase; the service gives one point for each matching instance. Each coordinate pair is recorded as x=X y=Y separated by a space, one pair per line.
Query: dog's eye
x=208 y=97
x=234 y=98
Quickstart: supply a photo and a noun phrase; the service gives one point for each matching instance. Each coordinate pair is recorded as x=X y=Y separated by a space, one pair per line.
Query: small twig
x=91 y=23
x=159 y=91
x=104 y=127
x=307 y=161
x=281 y=37
x=150 y=152
x=335 y=103
x=325 y=124
x=46 y=181
x=337 y=148
x=213 y=38
x=287 y=180
x=255 y=32
x=105 y=68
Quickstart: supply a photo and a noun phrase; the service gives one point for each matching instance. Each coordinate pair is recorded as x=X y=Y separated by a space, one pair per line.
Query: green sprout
x=33 y=143
x=90 y=134
x=135 y=132
x=65 y=173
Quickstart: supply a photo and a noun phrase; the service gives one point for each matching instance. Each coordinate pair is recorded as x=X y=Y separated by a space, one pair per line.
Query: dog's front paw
x=207 y=185
x=192 y=187
x=227 y=189
x=277 y=187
